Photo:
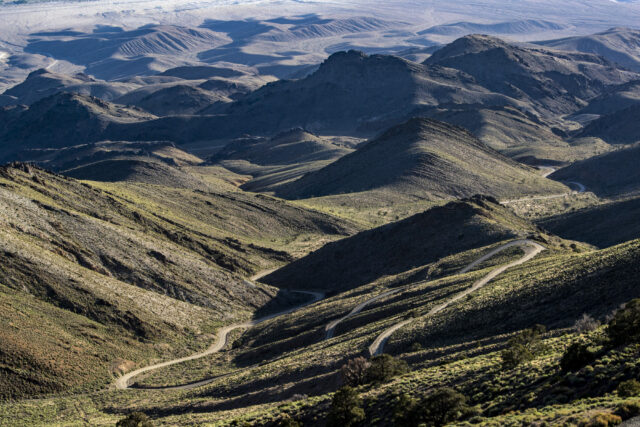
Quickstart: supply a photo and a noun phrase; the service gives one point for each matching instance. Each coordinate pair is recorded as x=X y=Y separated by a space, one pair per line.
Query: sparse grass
x=157 y=270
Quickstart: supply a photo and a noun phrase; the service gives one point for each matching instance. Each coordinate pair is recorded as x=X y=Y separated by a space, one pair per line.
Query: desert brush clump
x=577 y=356
x=440 y=407
x=624 y=327
x=346 y=408
x=524 y=347
x=586 y=323
x=135 y=419
x=629 y=388
x=354 y=372
x=383 y=368
x=603 y=419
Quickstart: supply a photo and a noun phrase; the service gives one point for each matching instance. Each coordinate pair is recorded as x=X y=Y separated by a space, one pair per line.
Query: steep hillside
x=103 y=273
x=403 y=245
x=515 y=134
x=149 y=171
x=62 y=159
x=619 y=45
x=423 y=157
x=43 y=83
x=602 y=225
x=64 y=120
x=611 y=174
x=614 y=99
x=173 y=100
x=619 y=127
x=277 y=160
x=551 y=81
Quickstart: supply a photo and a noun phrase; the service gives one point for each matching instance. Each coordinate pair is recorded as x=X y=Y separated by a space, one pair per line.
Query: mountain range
x=319 y=219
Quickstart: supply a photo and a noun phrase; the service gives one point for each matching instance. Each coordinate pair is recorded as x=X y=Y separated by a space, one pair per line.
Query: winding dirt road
x=531 y=249
x=331 y=327
x=221 y=340
x=546 y=171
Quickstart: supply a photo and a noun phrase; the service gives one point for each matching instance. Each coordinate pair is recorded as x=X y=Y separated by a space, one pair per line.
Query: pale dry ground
x=531 y=249
x=19 y=22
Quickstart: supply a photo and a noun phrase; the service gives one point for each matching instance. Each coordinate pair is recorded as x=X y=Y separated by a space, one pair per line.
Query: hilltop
x=64 y=120
x=351 y=92
x=42 y=83
x=176 y=99
x=619 y=45
x=425 y=157
x=552 y=82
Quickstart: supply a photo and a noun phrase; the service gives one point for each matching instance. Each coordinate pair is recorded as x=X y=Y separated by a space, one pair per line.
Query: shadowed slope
x=603 y=225
x=611 y=174
x=400 y=246
x=619 y=127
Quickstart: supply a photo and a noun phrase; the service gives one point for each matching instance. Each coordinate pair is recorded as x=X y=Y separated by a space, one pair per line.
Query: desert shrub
x=286 y=421
x=523 y=347
x=628 y=410
x=624 y=327
x=577 y=357
x=346 y=408
x=416 y=346
x=586 y=324
x=405 y=412
x=135 y=419
x=602 y=420
x=384 y=367
x=439 y=408
x=353 y=373
x=629 y=388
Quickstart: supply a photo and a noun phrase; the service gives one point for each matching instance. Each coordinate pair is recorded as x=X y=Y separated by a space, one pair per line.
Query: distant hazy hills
x=511 y=96
x=551 y=82
x=112 y=53
x=423 y=157
x=620 y=45
x=525 y=26
x=42 y=83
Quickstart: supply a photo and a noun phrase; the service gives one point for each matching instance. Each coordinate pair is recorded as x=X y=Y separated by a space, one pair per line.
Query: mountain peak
x=423 y=157
x=471 y=44
x=355 y=59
